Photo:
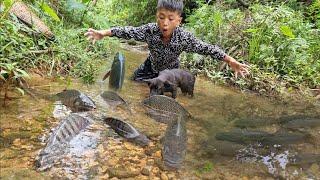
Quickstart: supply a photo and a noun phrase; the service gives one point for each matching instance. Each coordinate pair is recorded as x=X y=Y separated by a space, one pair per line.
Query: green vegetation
x=280 y=40
x=280 y=45
x=68 y=53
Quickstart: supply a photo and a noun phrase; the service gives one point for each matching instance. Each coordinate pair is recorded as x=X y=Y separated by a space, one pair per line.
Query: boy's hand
x=94 y=35
x=237 y=67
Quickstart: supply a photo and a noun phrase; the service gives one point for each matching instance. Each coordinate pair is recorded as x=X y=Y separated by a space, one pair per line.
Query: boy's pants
x=145 y=71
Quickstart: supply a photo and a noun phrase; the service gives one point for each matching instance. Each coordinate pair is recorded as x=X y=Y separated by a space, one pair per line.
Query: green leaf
x=20 y=91
x=48 y=10
x=8 y=3
x=1 y=77
x=85 y=1
x=74 y=5
x=251 y=30
x=286 y=30
x=23 y=73
x=3 y=72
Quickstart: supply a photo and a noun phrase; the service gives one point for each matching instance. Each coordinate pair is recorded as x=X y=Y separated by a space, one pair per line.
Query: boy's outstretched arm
x=236 y=66
x=127 y=32
x=94 y=35
x=192 y=44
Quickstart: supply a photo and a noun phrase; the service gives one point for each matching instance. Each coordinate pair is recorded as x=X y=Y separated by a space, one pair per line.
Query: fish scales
x=126 y=130
x=175 y=143
x=68 y=128
x=76 y=100
x=164 y=109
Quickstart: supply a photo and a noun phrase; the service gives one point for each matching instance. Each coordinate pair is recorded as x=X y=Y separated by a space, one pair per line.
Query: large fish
x=164 y=109
x=301 y=159
x=243 y=136
x=127 y=131
x=76 y=100
x=175 y=143
x=116 y=73
x=113 y=99
x=68 y=128
x=302 y=122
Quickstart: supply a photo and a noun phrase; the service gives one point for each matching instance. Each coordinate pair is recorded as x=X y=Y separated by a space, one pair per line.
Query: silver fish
x=113 y=98
x=126 y=130
x=175 y=143
x=68 y=128
x=117 y=72
x=164 y=109
x=76 y=100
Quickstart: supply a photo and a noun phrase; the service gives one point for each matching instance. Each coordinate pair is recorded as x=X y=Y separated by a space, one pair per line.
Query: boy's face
x=167 y=21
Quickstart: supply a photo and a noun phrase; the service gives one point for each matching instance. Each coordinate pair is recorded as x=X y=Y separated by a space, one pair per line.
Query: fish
x=302 y=122
x=285 y=138
x=243 y=136
x=175 y=143
x=223 y=148
x=305 y=158
x=254 y=122
x=117 y=72
x=127 y=131
x=164 y=109
x=113 y=98
x=68 y=128
x=76 y=100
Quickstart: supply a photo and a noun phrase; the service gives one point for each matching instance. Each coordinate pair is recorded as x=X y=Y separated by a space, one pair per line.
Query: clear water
x=214 y=108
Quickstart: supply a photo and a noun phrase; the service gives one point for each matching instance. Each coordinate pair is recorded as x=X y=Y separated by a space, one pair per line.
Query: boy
x=166 y=41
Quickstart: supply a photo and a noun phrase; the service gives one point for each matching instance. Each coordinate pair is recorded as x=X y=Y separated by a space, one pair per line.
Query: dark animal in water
x=249 y=137
x=76 y=100
x=169 y=80
x=285 y=138
x=301 y=122
x=117 y=72
x=175 y=143
x=164 y=109
x=127 y=131
x=255 y=122
x=243 y=136
x=68 y=128
x=302 y=159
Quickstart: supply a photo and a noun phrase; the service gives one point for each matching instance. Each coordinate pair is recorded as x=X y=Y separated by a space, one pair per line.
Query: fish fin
x=106 y=75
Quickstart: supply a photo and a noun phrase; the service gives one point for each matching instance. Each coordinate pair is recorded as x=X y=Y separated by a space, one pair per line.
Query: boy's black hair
x=173 y=5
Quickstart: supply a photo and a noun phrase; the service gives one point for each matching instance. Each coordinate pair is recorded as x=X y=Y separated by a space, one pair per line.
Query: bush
x=277 y=40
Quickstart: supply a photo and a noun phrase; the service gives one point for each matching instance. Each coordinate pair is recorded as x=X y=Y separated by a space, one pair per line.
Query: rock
x=150 y=162
x=163 y=176
x=156 y=171
x=146 y=170
x=171 y=176
x=314 y=168
x=157 y=154
x=122 y=172
x=160 y=164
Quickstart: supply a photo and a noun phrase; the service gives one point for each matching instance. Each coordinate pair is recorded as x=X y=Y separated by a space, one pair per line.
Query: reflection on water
x=215 y=109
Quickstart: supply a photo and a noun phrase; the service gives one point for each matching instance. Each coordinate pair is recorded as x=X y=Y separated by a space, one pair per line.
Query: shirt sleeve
x=128 y=32
x=192 y=44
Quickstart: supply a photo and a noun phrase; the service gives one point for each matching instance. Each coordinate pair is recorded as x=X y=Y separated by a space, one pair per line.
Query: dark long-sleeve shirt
x=166 y=56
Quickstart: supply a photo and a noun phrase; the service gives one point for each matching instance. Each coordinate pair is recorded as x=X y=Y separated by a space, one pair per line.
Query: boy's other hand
x=237 y=67
x=94 y=35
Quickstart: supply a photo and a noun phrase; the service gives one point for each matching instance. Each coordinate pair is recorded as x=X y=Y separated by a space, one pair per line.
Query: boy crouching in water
x=166 y=41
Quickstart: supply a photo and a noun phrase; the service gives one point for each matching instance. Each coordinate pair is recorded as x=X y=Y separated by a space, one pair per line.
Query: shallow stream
x=215 y=109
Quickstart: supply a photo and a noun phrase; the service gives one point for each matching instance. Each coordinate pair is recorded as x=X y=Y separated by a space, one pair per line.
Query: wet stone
x=150 y=162
x=163 y=176
x=146 y=170
x=122 y=172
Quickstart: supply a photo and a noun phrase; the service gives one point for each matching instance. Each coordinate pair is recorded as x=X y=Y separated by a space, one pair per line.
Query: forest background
x=280 y=40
